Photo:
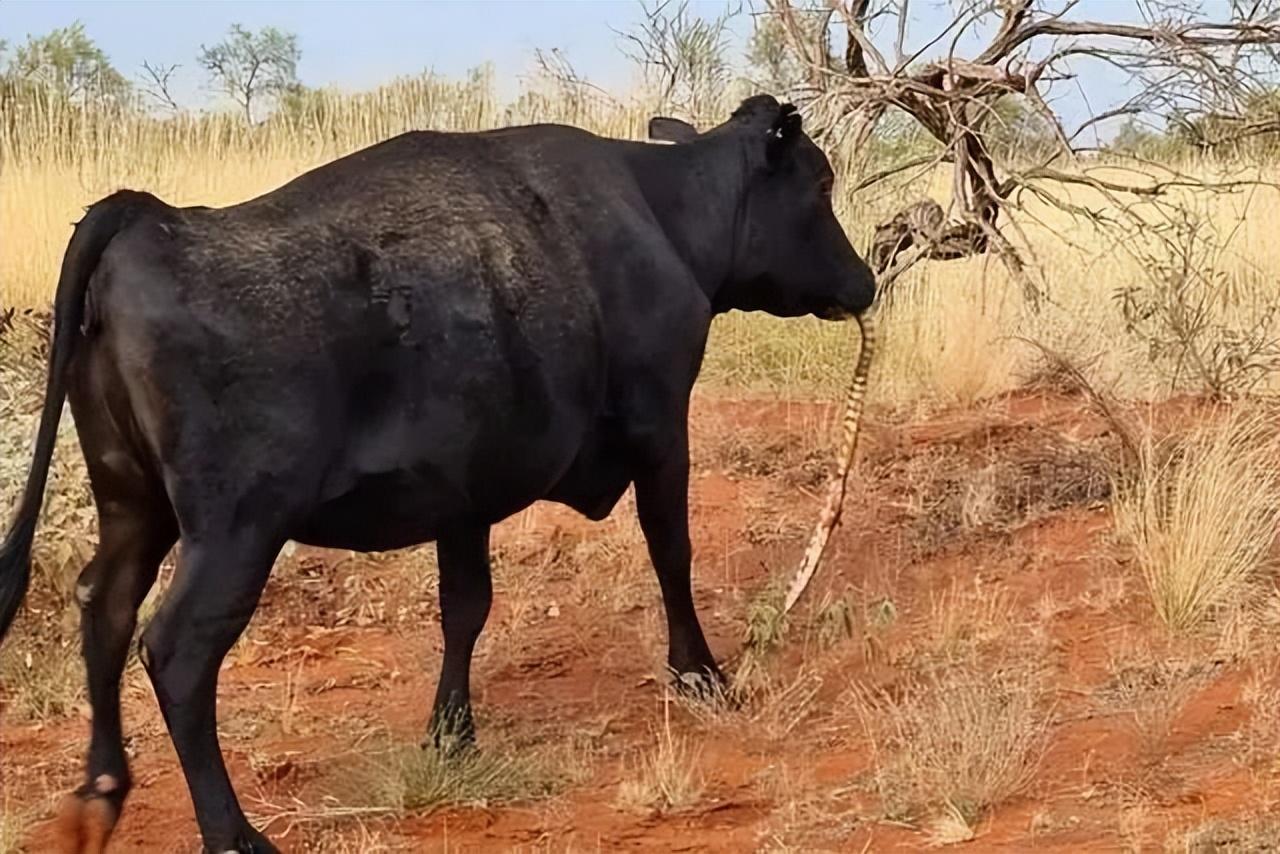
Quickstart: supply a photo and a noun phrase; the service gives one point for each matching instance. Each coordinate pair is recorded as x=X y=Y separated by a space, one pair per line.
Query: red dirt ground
x=997 y=506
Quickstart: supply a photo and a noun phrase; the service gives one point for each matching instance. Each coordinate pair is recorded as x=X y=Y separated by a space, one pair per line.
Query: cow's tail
x=92 y=234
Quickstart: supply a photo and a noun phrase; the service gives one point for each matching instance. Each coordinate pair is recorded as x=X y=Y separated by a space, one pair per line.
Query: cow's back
x=400 y=337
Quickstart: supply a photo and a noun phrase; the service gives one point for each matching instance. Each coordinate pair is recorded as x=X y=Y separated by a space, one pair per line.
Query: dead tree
x=1183 y=64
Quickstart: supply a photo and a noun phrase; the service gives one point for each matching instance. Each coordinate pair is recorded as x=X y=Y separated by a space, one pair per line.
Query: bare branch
x=155 y=84
x=876 y=177
x=1196 y=68
x=899 y=57
x=859 y=46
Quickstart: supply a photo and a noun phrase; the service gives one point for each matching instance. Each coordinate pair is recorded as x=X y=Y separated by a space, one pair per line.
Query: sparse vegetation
x=981 y=499
x=836 y=619
x=1245 y=835
x=414 y=779
x=1261 y=733
x=771 y=706
x=1201 y=512
x=952 y=743
x=1202 y=330
x=665 y=777
x=10 y=829
x=1152 y=691
x=43 y=680
x=961 y=622
x=766 y=622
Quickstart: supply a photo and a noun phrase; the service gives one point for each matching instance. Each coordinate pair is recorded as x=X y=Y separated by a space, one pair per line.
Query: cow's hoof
x=452 y=732
x=250 y=842
x=450 y=744
x=86 y=818
x=706 y=685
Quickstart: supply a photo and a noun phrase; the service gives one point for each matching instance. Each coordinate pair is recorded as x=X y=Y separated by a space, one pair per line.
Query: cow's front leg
x=662 y=501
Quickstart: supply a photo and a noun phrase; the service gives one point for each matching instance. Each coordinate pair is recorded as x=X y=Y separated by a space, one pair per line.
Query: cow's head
x=790 y=255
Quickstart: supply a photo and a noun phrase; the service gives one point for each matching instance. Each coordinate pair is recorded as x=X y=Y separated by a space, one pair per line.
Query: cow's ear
x=671 y=130
x=783 y=133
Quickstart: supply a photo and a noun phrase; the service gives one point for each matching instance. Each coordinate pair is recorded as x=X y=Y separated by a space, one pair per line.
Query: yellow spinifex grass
x=949 y=335
x=1201 y=511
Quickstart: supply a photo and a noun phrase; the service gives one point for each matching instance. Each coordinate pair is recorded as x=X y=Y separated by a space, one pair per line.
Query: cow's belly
x=379 y=513
x=407 y=475
x=416 y=504
x=600 y=474
x=384 y=512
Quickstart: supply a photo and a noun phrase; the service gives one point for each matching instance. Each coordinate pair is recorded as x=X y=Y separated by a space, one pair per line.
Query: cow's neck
x=695 y=191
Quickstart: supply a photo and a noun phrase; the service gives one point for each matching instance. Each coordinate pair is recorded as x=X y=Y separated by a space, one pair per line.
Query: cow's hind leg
x=466 y=592
x=133 y=540
x=214 y=594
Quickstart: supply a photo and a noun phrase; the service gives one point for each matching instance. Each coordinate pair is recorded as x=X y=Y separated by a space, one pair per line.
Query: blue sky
x=357 y=45
x=353 y=45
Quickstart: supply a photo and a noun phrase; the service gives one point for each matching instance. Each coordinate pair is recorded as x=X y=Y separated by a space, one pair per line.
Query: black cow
x=407 y=344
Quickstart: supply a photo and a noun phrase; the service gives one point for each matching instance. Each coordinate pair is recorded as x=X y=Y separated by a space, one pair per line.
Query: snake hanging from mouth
x=854 y=404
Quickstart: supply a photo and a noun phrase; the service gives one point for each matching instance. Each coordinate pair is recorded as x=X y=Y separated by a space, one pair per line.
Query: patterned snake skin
x=830 y=515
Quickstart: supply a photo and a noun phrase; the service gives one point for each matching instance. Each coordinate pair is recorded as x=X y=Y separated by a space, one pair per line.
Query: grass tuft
x=951 y=744
x=665 y=778
x=10 y=829
x=41 y=681
x=1250 y=835
x=1200 y=513
x=412 y=779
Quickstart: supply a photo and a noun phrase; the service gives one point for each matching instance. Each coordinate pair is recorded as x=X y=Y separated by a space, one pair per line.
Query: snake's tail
x=854 y=403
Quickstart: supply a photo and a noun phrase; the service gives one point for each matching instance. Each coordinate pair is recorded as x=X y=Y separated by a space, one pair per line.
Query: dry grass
x=951 y=744
x=361 y=840
x=964 y=619
x=666 y=777
x=794 y=457
x=1261 y=733
x=1152 y=692
x=11 y=826
x=805 y=810
x=64 y=158
x=959 y=738
x=1200 y=513
x=412 y=779
x=953 y=499
x=768 y=706
x=41 y=675
x=68 y=517
x=42 y=681
x=1245 y=835
x=359 y=793
x=949 y=330
x=943 y=342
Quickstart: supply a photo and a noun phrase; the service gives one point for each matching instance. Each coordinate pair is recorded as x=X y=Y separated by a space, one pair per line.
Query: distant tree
x=155 y=85
x=1253 y=129
x=683 y=56
x=1135 y=138
x=251 y=67
x=773 y=62
x=68 y=64
x=298 y=103
x=1014 y=131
